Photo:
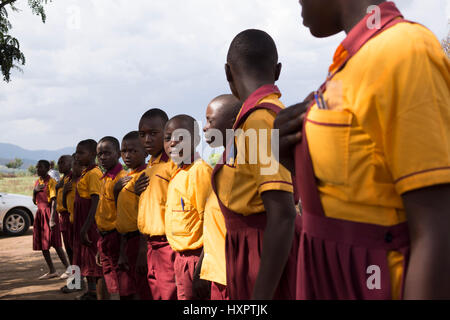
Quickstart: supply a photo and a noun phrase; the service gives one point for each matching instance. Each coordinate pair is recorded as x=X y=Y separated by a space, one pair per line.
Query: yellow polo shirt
x=127 y=205
x=152 y=202
x=59 y=197
x=241 y=183
x=186 y=200
x=106 y=214
x=89 y=183
x=214 y=231
x=387 y=129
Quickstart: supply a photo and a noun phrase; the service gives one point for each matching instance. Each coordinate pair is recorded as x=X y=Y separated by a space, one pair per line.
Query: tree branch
x=6 y=2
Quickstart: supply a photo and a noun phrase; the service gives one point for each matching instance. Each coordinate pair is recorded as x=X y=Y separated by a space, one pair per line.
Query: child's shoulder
x=94 y=172
x=200 y=166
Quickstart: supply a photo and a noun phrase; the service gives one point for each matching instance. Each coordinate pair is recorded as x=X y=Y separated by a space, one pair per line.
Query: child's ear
x=228 y=73
x=278 y=71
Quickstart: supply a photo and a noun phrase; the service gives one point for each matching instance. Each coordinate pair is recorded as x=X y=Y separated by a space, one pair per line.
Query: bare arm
x=53 y=213
x=428 y=213
x=89 y=220
x=277 y=242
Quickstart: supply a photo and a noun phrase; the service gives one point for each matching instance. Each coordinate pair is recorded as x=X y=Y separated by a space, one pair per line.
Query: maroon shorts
x=133 y=281
x=84 y=256
x=184 y=267
x=219 y=291
x=161 y=274
x=43 y=237
x=109 y=250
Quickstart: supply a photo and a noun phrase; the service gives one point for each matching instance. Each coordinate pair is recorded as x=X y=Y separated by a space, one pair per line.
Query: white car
x=17 y=213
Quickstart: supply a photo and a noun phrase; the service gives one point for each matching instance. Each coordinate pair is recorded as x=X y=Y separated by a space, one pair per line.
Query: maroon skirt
x=243 y=248
x=43 y=237
x=342 y=259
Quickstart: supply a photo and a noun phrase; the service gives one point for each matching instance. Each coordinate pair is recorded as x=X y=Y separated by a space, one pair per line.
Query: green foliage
x=32 y=170
x=10 y=55
x=446 y=45
x=15 y=164
x=214 y=158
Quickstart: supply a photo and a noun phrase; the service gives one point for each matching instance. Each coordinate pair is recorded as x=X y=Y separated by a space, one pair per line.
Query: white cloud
x=94 y=74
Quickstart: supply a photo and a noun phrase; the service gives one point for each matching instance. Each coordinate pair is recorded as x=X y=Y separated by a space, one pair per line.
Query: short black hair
x=156 y=113
x=113 y=141
x=254 y=51
x=66 y=156
x=233 y=105
x=46 y=163
x=189 y=123
x=90 y=145
x=133 y=135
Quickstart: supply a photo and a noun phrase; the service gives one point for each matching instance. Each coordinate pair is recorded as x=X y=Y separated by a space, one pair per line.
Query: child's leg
x=48 y=259
x=69 y=254
x=102 y=292
x=62 y=256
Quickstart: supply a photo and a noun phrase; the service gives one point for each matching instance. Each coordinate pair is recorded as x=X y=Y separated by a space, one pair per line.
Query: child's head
x=220 y=115
x=181 y=137
x=65 y=164
x=42 y=168
x=151 y=131
x=77 y=168
x=86 y=152
x=108 y=152
x=132 y=151
x=322 y=17
x=252 y=57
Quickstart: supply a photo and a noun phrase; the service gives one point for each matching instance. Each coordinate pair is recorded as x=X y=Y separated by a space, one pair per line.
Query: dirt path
x=20 y=267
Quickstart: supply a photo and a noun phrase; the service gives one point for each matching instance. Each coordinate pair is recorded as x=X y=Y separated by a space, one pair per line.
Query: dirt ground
x=20 y=268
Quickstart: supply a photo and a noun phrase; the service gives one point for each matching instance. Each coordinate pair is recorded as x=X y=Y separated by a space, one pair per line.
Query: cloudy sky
x=96 y=65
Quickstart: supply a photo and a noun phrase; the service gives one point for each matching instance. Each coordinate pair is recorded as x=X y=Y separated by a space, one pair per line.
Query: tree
x=446 y=42
x=10 y=54
x=15 y=164
x=32 y=169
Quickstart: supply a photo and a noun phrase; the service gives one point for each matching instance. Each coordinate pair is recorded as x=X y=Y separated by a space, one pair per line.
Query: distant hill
x=10 y=151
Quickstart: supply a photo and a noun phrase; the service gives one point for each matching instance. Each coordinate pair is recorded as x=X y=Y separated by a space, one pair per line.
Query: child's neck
x=157 y=155
x=138 y=166
x=251 y=85
x=112 y=168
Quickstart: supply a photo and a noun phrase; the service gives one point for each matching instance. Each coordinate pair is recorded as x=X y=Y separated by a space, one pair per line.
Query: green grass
x=18 y=185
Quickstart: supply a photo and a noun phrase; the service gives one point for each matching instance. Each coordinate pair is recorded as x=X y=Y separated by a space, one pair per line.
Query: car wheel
x=16 y=222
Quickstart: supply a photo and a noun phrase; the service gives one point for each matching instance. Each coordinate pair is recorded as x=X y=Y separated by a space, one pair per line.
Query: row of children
x=361 y=186
x=159 y=231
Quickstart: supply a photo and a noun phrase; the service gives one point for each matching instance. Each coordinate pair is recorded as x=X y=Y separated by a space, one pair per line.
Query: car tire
x=16 y=222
